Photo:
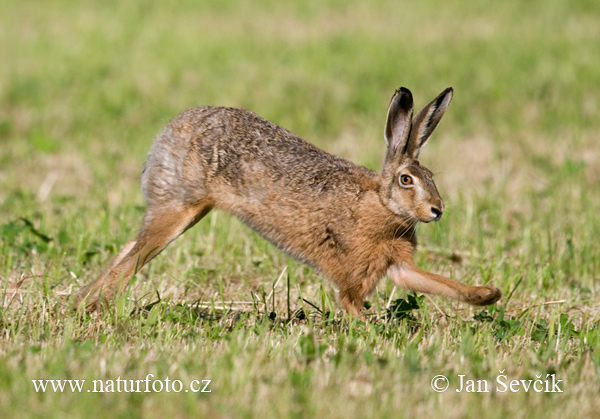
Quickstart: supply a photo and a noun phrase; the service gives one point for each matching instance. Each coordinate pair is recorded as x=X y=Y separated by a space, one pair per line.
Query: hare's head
x=407 y=187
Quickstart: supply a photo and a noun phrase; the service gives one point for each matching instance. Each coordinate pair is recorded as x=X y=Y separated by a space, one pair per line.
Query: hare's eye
x=406 y=180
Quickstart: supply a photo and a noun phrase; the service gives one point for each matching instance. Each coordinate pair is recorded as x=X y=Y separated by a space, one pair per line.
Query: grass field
x=84 y=87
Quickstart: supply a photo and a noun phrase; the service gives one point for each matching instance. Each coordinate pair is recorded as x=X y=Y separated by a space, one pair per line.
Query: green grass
x=85 y=86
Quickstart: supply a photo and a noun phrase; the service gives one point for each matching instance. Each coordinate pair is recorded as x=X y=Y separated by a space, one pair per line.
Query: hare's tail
x=158 y=230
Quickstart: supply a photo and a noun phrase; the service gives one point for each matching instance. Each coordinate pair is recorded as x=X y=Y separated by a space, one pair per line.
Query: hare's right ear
x=398 y=123
x=425 y=122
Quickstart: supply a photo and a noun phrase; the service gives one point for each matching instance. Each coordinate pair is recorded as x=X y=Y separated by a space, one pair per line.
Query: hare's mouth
x=435 y=214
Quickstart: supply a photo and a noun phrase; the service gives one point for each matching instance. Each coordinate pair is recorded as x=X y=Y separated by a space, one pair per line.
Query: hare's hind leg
x=409 y=276
x=160 y=227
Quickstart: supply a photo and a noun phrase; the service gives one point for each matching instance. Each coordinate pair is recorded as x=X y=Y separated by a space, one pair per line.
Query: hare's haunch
x=350 y=223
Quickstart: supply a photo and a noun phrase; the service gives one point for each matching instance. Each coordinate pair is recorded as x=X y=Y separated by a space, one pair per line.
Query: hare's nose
x=437 y=213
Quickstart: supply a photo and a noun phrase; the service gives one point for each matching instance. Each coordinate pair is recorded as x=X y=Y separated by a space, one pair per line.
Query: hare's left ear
x=425 y=122
x=398 y=123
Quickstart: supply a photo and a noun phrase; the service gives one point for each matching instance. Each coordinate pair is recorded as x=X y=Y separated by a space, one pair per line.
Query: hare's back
x=236 y=152
x=244 y=148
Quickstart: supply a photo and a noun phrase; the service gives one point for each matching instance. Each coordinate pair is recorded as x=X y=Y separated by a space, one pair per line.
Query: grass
x=83 y=89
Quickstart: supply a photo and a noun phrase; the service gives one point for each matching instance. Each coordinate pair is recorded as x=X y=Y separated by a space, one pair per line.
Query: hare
x=348 y=222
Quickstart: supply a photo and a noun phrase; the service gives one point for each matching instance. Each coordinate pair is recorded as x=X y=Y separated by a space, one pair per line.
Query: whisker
x=410 y=227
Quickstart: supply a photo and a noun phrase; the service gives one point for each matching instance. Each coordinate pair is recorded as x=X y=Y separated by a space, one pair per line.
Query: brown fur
x=352 y=224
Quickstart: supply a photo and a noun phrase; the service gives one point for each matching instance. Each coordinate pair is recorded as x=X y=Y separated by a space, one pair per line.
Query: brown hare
x=350 y=223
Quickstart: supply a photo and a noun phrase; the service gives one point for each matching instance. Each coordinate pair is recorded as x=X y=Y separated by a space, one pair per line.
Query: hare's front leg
x=407 y=275
x=351 y=302
x=353 y=293
x=160 y=227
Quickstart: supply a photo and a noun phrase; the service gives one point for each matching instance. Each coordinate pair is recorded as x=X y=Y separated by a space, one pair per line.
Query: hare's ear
x=425 y=122
x=399 y=120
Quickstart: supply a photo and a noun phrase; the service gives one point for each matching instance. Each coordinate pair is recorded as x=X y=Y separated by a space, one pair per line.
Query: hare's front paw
x=484 y=296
